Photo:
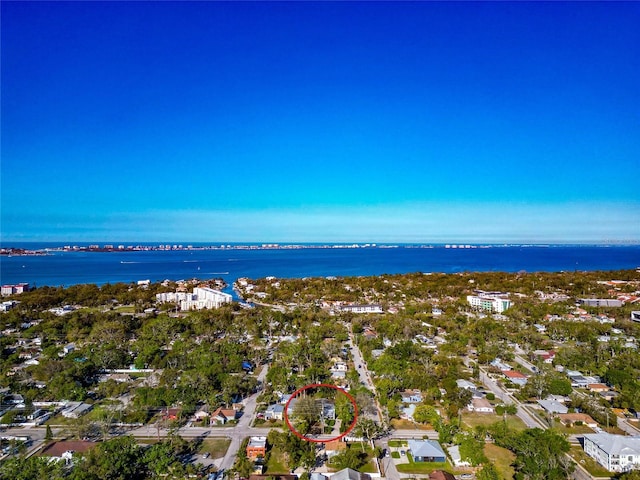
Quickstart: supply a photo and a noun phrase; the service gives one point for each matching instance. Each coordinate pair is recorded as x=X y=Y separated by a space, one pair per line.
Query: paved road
x=365 y=376
x=529 y=420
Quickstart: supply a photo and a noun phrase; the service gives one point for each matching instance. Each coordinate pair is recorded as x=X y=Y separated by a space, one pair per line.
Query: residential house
x=546 y=356
x=257 y=447
x=349 y=474
x=332 y=449
x=598 y=387
x=408 y=411
x=223 y=415
x=411 y=396
x=64 y=450
x=172 y=413
x=465 y=384
x=552 y=406
x=616 y=453
x=500 y=365
x=76 y=409
x=328 y=409
x=426 y=451
x=569 y=419
x=338 y=370
x=274 y=412
x=454 y=453
x=515 y=377
x=480 y=405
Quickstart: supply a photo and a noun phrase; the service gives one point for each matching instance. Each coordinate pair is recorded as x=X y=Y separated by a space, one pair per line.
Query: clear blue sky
x=377 y=122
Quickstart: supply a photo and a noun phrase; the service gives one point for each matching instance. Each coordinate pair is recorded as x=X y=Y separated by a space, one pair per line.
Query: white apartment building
x=373 y=308
x=201 y=297
x=6 y=290
x=494 y=302
x=616 y=453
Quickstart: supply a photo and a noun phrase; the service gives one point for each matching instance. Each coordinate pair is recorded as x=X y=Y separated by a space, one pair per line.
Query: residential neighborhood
x=433 y=383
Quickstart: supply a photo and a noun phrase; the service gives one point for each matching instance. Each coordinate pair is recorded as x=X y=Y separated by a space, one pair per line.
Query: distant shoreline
x=21 y=251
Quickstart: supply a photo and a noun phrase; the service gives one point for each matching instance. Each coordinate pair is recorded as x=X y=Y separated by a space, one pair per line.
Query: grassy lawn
x=125 y=309
x=501 y=458
x=217 y=447
x=588 y=463
x=395 y=455
x=277 y=462
x=472 y=420
x=423 y=467
x=398 y=443
x=574 y=430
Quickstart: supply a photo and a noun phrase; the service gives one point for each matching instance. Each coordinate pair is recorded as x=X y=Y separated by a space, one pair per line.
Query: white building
x=495 y=302
x=14 y=289
x=201 y=297
x=616 y=453
x=373 y=308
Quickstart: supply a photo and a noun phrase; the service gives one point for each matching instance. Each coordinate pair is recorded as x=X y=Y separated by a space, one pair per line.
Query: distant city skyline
x=320 y=122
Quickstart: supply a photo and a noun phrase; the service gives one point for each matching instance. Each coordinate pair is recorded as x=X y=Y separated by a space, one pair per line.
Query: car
x=206 y=455
x=386 y=453
x=359 y=366
x=402 y=453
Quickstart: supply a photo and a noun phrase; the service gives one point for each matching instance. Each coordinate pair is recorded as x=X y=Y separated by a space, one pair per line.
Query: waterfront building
x=16 y=289
x=201 y=297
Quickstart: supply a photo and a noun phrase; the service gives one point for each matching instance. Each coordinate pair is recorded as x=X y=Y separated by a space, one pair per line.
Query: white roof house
x=552 y=406
x=616 y=453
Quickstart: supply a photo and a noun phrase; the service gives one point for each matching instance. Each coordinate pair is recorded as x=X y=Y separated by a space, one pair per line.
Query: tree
x=472 y=449
x=426 y=414
x=32 y=468
x=116 y=459
x=350 y=458
x=48 y=436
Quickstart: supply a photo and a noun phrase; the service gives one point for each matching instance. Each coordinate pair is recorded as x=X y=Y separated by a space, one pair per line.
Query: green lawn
x=588 y=463
x=473 y=420
x=277 y=462
x=217 y=447
x=423 y=467
x=502 y=459
x=397 y=443
x=573 y=430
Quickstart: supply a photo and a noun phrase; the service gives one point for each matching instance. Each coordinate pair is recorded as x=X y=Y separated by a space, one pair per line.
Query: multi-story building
x=257 y=447
x=202 y=297
x=7 y=290
x=495 y=302
x=372 y=308
x=616 y=453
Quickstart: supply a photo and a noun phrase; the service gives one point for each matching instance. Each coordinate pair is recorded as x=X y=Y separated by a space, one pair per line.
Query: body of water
x=68 y=268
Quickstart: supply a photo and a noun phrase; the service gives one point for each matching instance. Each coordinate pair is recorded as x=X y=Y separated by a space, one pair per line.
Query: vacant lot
x=502 y=459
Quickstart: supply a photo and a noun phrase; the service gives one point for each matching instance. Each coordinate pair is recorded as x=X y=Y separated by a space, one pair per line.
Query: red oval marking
x=318 y=385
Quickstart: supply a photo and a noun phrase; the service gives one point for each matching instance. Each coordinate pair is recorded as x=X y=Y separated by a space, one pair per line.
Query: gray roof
x=349 y=474
x=615 y=444
x=552 y=406
x=426 y=448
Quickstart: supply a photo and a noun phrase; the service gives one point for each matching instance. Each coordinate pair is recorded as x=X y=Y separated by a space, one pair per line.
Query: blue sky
x=371 y=122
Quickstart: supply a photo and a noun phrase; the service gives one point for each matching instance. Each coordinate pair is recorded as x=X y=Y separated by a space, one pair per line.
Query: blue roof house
x=427 y=451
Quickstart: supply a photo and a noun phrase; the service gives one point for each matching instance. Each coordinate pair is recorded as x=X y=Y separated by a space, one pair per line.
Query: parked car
x=402 y=453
